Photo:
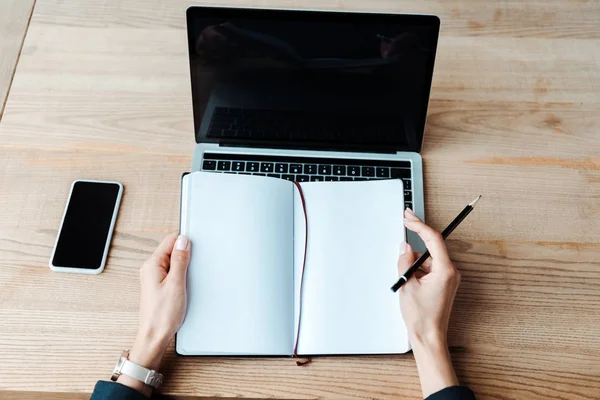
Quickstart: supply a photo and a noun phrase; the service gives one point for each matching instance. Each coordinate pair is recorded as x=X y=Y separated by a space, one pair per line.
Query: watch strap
x=137 y=372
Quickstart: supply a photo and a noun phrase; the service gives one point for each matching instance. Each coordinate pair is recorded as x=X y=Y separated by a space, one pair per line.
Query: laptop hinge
x=351 y=149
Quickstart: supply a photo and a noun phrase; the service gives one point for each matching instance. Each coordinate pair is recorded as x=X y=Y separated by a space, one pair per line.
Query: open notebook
x=250 y=291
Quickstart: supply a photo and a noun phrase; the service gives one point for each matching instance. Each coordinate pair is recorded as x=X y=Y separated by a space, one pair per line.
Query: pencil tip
x=472 y=204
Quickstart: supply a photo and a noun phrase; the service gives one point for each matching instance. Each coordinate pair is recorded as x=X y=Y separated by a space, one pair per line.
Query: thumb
x=180 y=258
x=406 y=258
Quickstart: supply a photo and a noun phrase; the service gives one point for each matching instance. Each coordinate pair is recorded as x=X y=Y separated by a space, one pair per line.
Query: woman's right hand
x=426 y=303
x=427 y=298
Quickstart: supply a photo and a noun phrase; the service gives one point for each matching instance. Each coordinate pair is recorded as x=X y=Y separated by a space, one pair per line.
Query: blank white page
x=354 y=233
x=240 y=278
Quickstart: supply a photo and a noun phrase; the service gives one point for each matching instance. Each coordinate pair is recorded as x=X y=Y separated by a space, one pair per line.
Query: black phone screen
x=86 y=226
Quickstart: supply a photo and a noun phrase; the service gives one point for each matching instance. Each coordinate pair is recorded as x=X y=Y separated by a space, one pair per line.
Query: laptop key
x=408 y=205
x=288 y=177
x=383 y=172
x=238 y=166
x=400 y=173
x=302 y=178
x=258 y=173
x=209 y=165
x=310 y=168
x=317 y=178
x=224 y=165
x=354 y=171
x=325 y=169
x=332 y=178
x=266 y=167
x=274 y=175
x=296 y=169
x=281 y=168
x=339 y=170
x=346 y=178
x=252 y=166
x=368 y=171
x=407 y=184
x=407 y=195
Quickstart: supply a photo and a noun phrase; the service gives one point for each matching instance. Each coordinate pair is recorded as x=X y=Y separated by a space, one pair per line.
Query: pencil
x=419 y=261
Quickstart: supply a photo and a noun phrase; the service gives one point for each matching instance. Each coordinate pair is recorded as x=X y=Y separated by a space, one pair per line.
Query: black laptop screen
x=307 y=79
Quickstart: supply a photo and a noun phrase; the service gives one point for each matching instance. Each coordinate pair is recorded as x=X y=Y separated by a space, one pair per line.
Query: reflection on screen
x=316 y=81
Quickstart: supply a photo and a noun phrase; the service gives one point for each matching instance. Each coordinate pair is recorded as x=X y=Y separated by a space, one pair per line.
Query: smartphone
x=87 y=227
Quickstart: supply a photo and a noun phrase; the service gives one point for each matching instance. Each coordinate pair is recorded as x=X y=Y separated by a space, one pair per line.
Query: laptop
x=312 y=95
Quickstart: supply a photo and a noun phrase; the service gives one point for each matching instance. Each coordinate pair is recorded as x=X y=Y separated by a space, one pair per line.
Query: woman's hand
x=426 y=303
x=163 y=300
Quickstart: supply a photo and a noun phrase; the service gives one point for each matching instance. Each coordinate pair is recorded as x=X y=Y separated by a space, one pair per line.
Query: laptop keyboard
x=305 y=169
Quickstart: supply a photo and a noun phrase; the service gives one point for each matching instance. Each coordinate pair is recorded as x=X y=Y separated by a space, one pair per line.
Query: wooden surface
x=14 y=18
x=102 y=91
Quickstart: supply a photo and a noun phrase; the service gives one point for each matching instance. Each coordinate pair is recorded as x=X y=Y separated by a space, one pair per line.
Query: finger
x=410 y=286
x=157 y=266
x=164 y=249
x=405 y=259
x=433 y=240
x=180 y=258
x=426 y=266
x=420 y=273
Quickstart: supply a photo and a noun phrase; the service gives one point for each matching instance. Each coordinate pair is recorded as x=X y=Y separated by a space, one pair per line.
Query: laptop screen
x=309 y=79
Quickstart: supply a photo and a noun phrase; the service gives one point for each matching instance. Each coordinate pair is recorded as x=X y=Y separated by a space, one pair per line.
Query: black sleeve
x=453 y=393
x=115 y=391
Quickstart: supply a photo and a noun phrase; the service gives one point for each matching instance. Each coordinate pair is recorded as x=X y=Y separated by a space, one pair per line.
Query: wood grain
x=102 y=91
x=14 y=19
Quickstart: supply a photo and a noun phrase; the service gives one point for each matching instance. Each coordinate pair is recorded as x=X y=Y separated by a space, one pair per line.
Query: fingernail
x=411 y=214
x=402 y=248
x=181 y=243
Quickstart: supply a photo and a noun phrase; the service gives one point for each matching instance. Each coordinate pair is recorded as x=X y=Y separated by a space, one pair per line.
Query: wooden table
x=14 y=18
x=101 y=91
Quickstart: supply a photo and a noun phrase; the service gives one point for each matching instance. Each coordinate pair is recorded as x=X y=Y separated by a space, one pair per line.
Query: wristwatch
x=137 y=372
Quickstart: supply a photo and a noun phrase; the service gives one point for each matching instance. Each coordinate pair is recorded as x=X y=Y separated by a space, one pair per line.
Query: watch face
x=119 y=365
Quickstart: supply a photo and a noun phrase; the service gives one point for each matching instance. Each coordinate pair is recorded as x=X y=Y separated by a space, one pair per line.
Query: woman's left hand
x=163 y=300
